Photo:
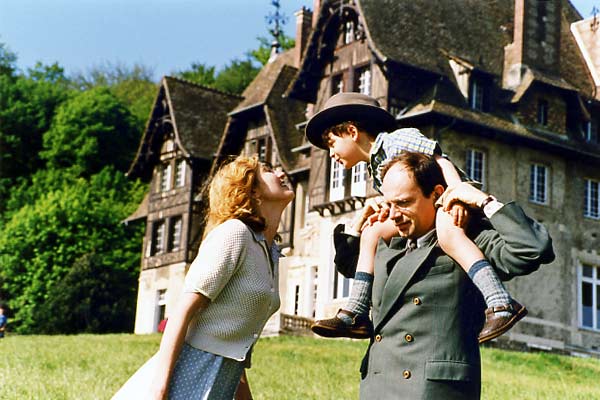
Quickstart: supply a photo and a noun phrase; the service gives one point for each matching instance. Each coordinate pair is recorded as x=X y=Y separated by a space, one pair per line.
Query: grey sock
x=360 y=298
x=484 y=277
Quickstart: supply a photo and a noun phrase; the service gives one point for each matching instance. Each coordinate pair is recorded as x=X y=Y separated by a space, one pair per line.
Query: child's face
x=344 y=150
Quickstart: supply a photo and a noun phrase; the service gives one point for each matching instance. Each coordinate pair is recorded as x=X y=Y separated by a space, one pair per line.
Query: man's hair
x=341 y=129
x=424 y=169
x=230 y=194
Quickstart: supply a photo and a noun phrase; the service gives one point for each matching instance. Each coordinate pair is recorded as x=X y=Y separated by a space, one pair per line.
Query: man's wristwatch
x=487 y=201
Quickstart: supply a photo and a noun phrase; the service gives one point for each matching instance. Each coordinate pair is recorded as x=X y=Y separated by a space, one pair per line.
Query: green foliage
x=91 y=130
x=27 y=106
x=199 y=73
x=49 y=247
x=236 y=76
x=8 y=61
x=263 y=52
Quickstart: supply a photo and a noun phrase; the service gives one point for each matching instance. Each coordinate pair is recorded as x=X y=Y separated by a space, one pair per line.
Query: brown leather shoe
x=361 y=327
x=495 y=326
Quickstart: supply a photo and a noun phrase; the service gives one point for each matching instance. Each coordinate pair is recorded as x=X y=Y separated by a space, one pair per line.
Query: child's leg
x=353 y=319
x=501 y=305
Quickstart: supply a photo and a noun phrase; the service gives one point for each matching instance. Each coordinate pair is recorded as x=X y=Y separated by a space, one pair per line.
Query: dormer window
x=180 y=173
x=476 y=94
x=348 y=32
x=590 y=131
x=542 y=112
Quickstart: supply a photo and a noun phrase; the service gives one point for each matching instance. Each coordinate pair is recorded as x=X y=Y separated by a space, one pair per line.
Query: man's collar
x=426 y=238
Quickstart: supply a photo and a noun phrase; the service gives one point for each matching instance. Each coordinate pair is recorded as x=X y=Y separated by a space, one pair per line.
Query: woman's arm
x=172 y=341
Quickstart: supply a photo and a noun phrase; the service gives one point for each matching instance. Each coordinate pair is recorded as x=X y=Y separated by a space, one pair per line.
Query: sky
x=163 y=35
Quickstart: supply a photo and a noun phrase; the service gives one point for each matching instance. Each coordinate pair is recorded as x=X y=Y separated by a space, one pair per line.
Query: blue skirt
x=197 y=375
x=202 y=375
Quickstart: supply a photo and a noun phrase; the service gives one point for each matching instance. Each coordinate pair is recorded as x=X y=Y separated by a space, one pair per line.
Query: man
x=426 y=312
x=3 y=321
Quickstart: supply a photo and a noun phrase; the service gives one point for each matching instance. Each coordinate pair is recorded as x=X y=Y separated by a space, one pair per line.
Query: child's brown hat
x=348 y=106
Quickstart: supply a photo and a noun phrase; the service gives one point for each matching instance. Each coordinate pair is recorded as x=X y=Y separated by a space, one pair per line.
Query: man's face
x=344 y=150
x=413 y=213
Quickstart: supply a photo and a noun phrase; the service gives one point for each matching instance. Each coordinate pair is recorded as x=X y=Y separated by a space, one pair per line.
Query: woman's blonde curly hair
x=230 y=194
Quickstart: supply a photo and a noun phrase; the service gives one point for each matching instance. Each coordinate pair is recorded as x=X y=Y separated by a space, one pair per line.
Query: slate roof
x=265 y=95
x=421 y=34
x=198 y=114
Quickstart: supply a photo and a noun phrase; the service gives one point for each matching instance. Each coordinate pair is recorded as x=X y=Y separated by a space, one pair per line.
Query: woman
x=230 y=292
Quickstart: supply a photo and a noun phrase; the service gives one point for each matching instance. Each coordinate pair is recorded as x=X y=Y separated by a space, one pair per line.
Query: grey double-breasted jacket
x=427 y=313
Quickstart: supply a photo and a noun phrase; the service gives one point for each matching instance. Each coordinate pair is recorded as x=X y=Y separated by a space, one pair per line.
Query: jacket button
x=408 y=337
x=378 y=338
x=416 y=301
x=406 y=374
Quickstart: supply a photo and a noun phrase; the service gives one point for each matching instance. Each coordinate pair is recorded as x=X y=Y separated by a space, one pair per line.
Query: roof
x=416 y=34
x=198 y=114
x=264 y=98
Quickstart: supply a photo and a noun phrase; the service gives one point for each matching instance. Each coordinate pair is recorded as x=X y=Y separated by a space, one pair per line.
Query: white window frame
x=348 y=32
x=475 y=165
x=592 y=199
x=175 y=234
x=165 y=177
x=536 y=195
x=336 y=181
x=364 y=80
x=339 y=87
x=358 y=186
x=180 y=170
x=594 y=280
x=158 y=237
x=589 y=132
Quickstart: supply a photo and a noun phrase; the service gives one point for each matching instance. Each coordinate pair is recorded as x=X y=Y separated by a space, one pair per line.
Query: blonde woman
x=229 y=293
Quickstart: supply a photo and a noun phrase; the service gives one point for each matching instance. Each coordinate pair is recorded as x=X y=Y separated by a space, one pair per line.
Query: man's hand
x=464 y=193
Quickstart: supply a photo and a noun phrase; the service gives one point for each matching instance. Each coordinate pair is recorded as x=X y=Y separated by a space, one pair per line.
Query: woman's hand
x=243 y=389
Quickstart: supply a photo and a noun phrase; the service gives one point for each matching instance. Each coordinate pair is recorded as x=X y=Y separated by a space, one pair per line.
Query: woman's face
x=273 y=185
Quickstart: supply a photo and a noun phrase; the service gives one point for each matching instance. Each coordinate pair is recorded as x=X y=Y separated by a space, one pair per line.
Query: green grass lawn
x=94 y=366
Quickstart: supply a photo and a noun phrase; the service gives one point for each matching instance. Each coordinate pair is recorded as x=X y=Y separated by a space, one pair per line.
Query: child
x=349 y=126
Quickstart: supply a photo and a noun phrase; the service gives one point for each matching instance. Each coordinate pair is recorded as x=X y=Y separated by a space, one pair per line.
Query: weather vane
x=277 y=18
x=595 y=22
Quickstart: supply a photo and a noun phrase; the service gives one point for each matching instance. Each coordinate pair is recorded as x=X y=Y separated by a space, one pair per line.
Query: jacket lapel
x=404 y=269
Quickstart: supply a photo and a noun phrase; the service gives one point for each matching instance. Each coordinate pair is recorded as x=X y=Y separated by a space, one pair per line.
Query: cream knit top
x=237 y=271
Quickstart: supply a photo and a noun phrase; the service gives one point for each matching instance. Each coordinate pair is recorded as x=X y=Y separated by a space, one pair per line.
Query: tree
x=199 y=73
x=263 y=52
x=54 y=250
x=236 y=76
x=8 y=61
x=91 y=130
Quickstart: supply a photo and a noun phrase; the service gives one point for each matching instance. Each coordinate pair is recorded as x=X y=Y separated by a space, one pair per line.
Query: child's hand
x=460 y=213
x=375 y=209
x=464 y=193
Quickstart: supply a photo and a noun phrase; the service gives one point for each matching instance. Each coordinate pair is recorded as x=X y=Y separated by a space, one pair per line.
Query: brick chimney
x=316 y=11
x=303 y=27
x=536 y=40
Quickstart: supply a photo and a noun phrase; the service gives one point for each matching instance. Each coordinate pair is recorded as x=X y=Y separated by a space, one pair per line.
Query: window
x=337 y=84
x=476 y=94
x=161 y=307
x=538 y=184
x=158 y=237
x=359 y=180
x=165 y=178
x=589 y=296
x=180 y=173
x=336 y=181
x=261 y=149
x=475 y=166
x=348 y=32
x=542 y=112
x=591 y=201
x=175 y=234
x=341 y=285
x=590 y=131
x=363 y=83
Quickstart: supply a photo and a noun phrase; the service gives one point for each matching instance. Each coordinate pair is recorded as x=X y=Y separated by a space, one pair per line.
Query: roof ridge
x=203 y=86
